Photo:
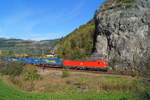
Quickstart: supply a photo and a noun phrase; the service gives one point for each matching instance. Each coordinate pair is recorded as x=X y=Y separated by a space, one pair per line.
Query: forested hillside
x=27 y=47
x=78 y=44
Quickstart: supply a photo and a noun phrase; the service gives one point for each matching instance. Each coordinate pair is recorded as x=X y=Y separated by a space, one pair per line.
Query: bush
x=30 y=73
x=123 y=98
x=11 y=68
x=123 y=2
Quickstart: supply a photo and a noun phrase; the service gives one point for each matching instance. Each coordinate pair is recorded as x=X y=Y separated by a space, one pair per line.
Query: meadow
x=25 y=83
x=10 y=93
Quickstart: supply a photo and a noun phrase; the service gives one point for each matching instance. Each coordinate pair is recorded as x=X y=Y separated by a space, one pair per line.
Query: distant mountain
x=18 y=46
x=2 y=39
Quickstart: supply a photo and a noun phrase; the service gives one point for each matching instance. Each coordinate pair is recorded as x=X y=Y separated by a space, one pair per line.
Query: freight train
x=54 y=62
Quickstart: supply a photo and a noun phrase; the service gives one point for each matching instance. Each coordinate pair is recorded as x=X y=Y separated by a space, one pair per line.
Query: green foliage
x=124 y=98
x=10 y=52
x=124 y=2
x=30 y=73
x=78 y=44
x=11 y=68
x=65 y=73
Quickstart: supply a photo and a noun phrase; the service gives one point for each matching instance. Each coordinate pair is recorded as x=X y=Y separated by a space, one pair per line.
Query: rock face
x=123 y=36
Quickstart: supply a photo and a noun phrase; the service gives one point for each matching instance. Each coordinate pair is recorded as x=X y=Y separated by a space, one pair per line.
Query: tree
x=10 y=52
x=30 y=73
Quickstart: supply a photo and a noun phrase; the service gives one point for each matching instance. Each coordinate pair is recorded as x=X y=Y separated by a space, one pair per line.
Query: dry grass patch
x=80 y=83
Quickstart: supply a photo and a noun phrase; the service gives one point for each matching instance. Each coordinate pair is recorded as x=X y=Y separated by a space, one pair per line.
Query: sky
x=44 y=19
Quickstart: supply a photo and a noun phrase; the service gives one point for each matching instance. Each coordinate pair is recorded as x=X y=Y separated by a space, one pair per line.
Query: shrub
x=11 y=68
x=30 y=73
x=125 y=2
x=123 y=98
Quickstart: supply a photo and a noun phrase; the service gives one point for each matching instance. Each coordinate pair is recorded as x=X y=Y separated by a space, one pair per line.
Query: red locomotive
x=98 y=64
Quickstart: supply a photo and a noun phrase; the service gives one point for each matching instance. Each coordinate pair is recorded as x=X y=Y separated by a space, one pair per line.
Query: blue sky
x=44 y=19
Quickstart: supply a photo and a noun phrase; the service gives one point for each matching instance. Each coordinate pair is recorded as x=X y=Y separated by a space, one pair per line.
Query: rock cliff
x=123 y=34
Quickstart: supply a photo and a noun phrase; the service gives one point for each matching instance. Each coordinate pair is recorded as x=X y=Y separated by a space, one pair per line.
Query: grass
x=112 y=4
x=74 y=86
x=79 y=83
x=65 y=73
x=10 y=93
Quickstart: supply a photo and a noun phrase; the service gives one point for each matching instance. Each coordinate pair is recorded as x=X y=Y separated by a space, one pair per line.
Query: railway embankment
x=54 y=83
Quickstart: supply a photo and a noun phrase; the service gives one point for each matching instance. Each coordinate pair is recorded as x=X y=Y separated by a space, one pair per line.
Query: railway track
x=84 y=71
